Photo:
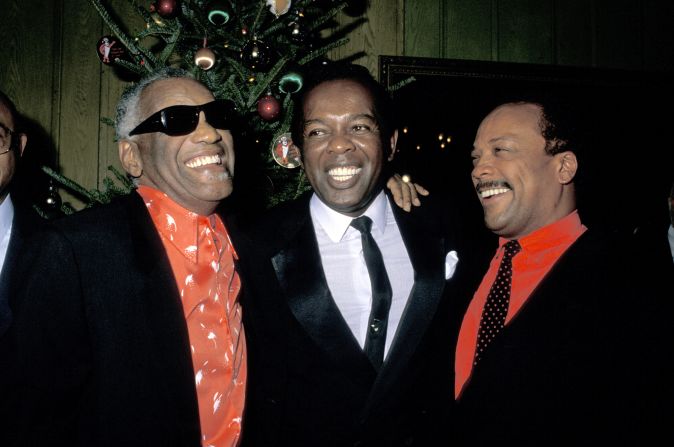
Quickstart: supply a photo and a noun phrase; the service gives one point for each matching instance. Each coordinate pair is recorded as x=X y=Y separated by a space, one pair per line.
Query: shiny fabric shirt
x=202 y=259
x=540 y=251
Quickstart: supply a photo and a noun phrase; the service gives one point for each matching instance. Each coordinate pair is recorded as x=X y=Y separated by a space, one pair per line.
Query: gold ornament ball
x=204 y=58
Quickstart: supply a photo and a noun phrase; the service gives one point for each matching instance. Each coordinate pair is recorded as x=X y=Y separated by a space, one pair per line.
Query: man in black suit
x=129 y=332
x=328 y=366
x=566 y=340
x=16 y=223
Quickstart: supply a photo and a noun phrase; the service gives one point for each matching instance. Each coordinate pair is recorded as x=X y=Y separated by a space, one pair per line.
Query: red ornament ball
x=166 y=8
x=268 y=107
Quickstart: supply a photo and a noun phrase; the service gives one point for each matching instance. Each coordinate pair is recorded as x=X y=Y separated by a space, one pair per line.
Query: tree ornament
x=256 y=55
x=285 y=153
x=165 y=8
x=290 y=82
x=109 y=50
x=278 y=7
x=268 y=107
x=218 y=12
x=204 y=58
x=298 y=29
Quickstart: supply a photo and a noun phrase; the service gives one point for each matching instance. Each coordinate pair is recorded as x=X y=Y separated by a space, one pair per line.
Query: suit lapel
x=163 y=312
x=300 y=273
x=427 y=254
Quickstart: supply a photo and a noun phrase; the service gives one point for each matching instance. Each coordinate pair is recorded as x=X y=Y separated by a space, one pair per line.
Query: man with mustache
x=129 y=331
x=565 y=339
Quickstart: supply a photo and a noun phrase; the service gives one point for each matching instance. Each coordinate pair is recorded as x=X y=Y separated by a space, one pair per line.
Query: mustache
x=492 y=184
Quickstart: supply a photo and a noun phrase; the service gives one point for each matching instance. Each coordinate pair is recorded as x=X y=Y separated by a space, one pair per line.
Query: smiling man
x=343 y=290
x=129 y=333
x=565 y=340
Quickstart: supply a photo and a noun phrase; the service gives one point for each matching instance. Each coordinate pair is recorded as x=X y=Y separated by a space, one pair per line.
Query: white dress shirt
x=6 y=217
x=670 y=236
x=345 y=269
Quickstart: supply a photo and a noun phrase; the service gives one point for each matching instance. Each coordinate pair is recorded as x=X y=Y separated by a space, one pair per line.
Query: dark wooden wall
x=48 y=61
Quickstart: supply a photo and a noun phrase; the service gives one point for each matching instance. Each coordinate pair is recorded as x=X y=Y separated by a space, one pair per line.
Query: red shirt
x=202 y=260
x=540 y=251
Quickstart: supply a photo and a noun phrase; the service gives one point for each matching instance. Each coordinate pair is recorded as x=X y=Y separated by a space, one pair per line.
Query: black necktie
x=381 y=293
x=498 y=300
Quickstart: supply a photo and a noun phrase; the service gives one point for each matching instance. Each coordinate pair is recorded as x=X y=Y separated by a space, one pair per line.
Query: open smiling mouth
x=485 y=194
x=344 y=173
x=204 y=160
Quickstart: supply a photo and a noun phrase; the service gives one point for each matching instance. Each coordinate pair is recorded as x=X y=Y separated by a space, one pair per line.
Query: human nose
x=482 y=166
x=340 y=143
x=205 y=132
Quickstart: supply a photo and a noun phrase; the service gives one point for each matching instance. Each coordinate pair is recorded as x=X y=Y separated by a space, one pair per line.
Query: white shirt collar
x=335 y=224
x=6 y=215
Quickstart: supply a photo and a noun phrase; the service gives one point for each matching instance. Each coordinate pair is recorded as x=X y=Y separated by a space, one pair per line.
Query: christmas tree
x=252 y=52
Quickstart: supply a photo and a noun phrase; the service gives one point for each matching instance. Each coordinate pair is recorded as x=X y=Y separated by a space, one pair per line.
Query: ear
x=295 y=150
x=129 y=156
x=23 y=139
x=568 y=165
x=394 y=142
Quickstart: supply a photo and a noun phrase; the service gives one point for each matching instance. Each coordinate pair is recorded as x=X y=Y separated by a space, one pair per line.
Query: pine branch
x=170 y=45
x=327 y=16
x=261 y=8
x=126 y=40
x=262 y=86
x=322 y=51
x=139 y=69
x=70 y=184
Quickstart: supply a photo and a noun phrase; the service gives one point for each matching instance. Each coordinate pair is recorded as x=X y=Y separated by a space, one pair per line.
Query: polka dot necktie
x=496 y=307
x=375 y=340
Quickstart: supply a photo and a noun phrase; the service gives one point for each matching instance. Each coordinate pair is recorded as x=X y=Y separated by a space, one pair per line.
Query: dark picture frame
x=627 y=164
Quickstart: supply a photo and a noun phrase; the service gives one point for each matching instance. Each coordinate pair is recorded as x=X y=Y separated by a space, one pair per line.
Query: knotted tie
x=381 y=293
x=496 y=307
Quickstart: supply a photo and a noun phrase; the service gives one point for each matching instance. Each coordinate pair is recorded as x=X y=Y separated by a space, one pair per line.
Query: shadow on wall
x=31 y=185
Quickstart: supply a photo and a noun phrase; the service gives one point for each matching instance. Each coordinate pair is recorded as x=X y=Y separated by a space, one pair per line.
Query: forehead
x=512 y=121
x=171 y=92
x=337 y=96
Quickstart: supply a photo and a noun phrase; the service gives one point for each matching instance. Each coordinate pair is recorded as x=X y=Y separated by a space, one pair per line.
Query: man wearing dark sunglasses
x=130 y=331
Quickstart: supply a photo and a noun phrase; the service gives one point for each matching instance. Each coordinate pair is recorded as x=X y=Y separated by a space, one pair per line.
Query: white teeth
x=492 y=192
x=343 y=173
x=204 y=160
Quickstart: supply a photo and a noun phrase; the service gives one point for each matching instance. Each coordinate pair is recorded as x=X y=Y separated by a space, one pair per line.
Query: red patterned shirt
x=202 y=258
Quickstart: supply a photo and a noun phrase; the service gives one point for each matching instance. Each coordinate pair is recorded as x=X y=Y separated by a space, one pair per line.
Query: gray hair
x=128 y=105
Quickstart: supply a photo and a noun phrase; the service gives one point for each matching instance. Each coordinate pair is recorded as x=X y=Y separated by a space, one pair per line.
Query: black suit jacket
x=585 y=360
x=310 y=384
x=98 y=351
x=18 y=260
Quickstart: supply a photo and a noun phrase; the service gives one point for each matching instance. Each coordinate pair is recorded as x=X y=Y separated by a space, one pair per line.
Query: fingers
x=421 y=190
x=405 y=192
x=394 y=184
x=400 y=191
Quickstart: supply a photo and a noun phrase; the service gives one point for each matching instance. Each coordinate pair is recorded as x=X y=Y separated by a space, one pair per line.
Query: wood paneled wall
x=48 y=63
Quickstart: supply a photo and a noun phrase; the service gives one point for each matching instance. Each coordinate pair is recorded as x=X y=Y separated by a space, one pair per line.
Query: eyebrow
x=502 y=138
x=353 y=117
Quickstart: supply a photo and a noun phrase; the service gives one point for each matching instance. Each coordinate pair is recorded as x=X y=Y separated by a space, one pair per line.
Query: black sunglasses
x=181 y=120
